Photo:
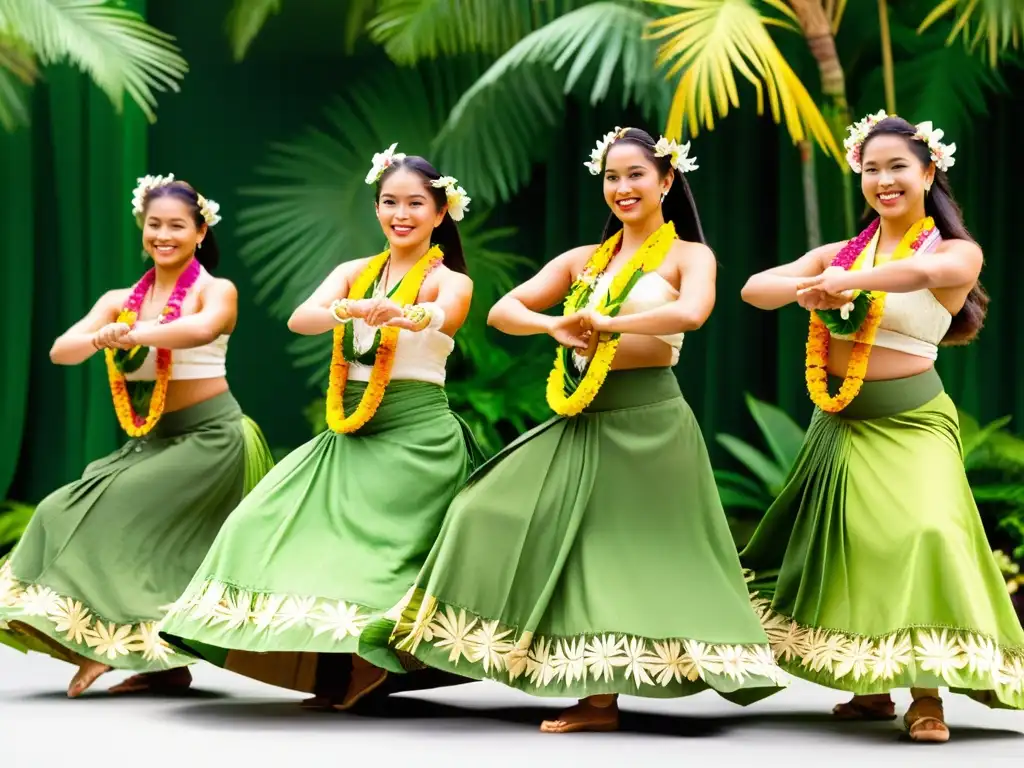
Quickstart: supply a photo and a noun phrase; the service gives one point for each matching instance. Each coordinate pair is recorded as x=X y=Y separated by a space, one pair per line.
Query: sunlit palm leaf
x=709 y=41
x=998 y=24
x=114 y=46
x=502 y=125
x=947 y=85
x=836 y=9
x=245 y=21
x=14 y=110
x=411 y=30
x=315 y=211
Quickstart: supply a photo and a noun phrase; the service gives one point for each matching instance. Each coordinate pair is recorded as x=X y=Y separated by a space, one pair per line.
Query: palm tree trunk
x=888 y=75
x=817 y=28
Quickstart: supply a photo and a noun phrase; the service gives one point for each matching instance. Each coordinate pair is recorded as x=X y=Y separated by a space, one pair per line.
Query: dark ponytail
x=209 y=254
x=942 y=207
x=445 y=234
x=678 y=206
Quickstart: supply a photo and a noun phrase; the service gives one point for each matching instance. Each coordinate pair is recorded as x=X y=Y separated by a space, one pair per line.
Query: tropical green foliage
x=14 y=518
x=114 y=46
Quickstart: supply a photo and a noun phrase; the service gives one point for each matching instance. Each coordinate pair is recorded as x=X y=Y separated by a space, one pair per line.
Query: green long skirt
x=105 y=556
x=330 y=540
x=592 y=556
x=872 y=570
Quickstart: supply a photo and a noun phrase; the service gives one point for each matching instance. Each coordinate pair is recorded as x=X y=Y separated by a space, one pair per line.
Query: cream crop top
x=913 y=322
x=206 y=362
x=419 y=356
x=649 y=292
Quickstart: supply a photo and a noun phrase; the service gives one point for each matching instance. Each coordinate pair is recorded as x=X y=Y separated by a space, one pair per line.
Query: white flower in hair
x=458 y=200
x=597 y=154
x=144 y=185
x=678 y=155
x=942 y=154
x=381 y=161
x=209 y=210
x=855 y=136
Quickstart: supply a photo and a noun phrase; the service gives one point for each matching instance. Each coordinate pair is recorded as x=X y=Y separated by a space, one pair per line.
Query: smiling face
x=632 y=184
x=406 y=209
x=893 y=178
x=169 y=231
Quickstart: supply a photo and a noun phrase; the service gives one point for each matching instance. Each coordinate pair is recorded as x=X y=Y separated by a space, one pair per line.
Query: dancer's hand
x=812 y=299
x=380 y=311
x=109 y=336
x=592 y=320
x=569 y=332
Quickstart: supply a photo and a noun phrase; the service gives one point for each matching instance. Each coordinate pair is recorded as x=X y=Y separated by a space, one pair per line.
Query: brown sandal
x=925 y=721
x=855 y=710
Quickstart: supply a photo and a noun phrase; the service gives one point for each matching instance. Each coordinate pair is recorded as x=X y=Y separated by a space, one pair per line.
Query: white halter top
x=419 y=356
x=913 y=323
x=649 y=292
x=206 y=362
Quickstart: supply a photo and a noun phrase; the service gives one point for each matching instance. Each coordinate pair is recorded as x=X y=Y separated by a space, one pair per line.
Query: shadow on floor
x=435 y=717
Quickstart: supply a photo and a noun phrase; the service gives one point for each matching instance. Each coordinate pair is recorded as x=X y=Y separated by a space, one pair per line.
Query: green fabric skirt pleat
x=328 y=541
x=105 y=556
x=591 y=556
x=871 y=571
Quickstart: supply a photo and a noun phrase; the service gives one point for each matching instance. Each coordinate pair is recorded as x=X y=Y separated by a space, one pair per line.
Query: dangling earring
x=663 y=196
x=928 y=187
x=199 y=245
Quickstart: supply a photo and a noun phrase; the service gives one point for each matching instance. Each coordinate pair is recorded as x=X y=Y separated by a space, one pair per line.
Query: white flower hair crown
x=208 y=209
x=678 y=154
x=458 y=200
x=857 y=134
x=382 y=161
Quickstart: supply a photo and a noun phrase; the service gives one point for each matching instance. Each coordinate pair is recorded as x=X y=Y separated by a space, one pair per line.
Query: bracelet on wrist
x=417 y=315
x=342 y=310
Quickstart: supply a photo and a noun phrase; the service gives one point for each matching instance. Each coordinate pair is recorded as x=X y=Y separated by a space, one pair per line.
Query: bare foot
x=168 y=681
x=925 y=721
x=866 y=708
x=86 y=675
x=591 y=714
x=365 y=679
x=318 y=702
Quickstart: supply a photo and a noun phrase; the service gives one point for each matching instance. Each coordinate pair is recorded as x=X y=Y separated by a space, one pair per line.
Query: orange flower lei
x=647 y=258
x=818 y=335
x=384 y=360
x=133 y=424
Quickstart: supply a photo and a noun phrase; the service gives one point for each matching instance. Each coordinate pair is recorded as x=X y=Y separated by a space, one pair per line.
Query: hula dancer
x=592 y=557
x=872 y=567
x=104 y=557
x=335 y=534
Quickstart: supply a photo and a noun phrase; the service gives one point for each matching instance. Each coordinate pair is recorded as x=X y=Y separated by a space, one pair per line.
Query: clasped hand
x=114 y=336
x=580 y=330
x=824 y=291
x=381 y=312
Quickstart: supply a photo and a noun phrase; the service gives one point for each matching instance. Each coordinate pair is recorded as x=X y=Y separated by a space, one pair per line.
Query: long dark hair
x=942 y=207
x=209 y=254
x=445 y=234
x=678 y=206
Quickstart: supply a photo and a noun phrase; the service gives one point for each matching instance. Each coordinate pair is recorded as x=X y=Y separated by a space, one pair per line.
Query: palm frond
x=997 y=24
x=14 y=110
x=502 y=124
x=114 y=46
x=358 y=14
x=946 y=85
x=709 y=41
x=245 y=21
x=411 y=30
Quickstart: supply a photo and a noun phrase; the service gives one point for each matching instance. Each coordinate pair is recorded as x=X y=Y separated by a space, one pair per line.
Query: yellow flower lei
x=816 y=373
x=384 y=360
x=647 y=258
x=119 y=387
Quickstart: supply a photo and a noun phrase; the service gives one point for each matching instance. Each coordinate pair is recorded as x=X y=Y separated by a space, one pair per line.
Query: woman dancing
x=873 y=568
x=592 y=557
x=337 y=531
x=104 y=556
